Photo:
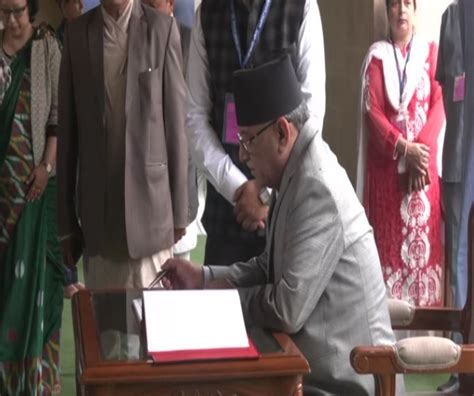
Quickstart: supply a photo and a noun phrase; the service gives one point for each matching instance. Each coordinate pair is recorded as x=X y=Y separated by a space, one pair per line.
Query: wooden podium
x=111 y=358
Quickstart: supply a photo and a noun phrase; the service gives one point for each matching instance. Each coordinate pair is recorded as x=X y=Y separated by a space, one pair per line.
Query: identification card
x=229 y=134
x=459 y=86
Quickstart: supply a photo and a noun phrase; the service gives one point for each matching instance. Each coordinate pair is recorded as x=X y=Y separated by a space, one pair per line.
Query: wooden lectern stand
x=111 y=358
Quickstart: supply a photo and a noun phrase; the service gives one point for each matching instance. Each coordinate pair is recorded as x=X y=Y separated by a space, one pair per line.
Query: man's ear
x=283 y=128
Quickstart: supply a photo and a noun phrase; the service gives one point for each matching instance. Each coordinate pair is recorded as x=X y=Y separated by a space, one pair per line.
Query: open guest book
x=184 y=325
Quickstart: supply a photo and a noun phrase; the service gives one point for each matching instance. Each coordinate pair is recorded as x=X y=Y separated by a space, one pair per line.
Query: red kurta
x=407 y=226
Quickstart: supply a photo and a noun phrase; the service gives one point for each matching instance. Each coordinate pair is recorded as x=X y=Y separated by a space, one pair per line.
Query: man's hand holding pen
x=156 y=282
x=182 y=274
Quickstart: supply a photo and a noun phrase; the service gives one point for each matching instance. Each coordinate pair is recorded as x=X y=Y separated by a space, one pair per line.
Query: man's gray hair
x=299 y=116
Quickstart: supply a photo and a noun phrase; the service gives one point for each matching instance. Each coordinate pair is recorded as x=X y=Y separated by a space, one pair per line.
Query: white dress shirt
x=206 y=147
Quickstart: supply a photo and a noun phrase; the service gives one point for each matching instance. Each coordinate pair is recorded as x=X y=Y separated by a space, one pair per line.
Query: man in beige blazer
x=122 y=151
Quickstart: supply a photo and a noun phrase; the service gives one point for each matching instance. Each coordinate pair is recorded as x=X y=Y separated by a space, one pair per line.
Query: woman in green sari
x=31 y=275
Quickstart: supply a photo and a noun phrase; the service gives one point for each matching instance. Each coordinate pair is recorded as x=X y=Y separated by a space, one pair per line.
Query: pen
x=159 y=276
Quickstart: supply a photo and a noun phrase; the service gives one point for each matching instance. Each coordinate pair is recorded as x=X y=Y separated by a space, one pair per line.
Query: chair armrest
x=436 y=319
x=401 y=312
x=383 y=360
x=383 y=363
x=408 y=317
x=427 y=353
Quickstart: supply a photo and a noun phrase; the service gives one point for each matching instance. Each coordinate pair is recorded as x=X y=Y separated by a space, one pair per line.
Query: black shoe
x=451 y=386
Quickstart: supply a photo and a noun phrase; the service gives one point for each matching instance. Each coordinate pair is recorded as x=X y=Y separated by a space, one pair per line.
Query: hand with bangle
x=37 y=183
x=417 y=155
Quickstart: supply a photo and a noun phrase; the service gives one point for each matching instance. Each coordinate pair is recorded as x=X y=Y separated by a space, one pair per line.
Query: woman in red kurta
x=403 y=116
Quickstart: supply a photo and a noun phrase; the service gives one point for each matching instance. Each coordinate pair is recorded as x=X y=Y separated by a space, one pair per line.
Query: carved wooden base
x=285 y=386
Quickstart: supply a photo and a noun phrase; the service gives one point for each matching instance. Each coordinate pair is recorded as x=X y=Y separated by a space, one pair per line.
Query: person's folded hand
x=418 y=156
x=249 y=211
x=179 y=233
x=417 y=180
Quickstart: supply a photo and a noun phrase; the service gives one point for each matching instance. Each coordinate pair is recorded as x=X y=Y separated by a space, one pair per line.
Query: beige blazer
x=155 y=142
x=45 y=61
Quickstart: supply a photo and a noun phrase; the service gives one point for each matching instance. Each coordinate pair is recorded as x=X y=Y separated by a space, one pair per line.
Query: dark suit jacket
x=155 y=142
x=450 y=66
x=467 y=29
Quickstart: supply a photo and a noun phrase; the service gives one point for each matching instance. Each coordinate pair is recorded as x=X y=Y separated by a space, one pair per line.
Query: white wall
x=429 y=14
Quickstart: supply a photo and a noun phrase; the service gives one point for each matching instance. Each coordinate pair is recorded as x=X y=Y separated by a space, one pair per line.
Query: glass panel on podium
x=122 y=337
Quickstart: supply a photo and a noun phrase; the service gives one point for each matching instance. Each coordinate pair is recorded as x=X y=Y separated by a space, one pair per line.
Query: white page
x=193 y=319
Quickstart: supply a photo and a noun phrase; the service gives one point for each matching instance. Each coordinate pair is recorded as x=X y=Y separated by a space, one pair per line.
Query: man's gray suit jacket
x=319 y=278
x=155 y=142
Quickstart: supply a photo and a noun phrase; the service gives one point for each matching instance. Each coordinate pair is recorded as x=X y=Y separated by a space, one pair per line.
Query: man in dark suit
x=70 y=9
x=450 y=74
x=122 y=163
x=456 y=74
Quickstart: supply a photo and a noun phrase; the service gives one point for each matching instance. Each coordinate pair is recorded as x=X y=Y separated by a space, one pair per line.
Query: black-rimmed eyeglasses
x=247 y=142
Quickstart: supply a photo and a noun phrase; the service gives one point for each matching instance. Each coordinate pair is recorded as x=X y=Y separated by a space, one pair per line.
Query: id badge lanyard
x=402 y=76
x=402 y=80
x=244 y=61
x=229 y=135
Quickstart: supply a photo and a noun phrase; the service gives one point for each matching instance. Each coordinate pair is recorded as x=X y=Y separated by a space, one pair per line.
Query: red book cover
x=206 y=354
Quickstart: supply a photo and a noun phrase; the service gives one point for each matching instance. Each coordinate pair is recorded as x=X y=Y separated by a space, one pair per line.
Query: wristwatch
x=48 y=167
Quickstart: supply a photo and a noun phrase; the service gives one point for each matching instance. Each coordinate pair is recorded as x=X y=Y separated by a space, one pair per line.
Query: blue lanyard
x=402 y=79
x=256 y=35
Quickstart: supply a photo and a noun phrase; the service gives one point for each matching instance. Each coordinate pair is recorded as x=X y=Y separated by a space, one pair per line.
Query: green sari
x=31 y=272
